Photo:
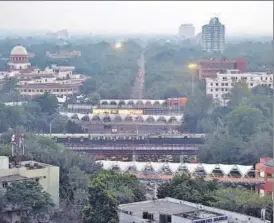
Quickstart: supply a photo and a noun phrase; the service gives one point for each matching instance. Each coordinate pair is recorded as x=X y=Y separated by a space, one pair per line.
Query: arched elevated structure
x=125 y=118
x=195 y=169
x=144 y=102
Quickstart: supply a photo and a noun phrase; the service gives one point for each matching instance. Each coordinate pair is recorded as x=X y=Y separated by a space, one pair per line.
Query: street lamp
x=118 y=45
x=53 y=118
x=193 y=67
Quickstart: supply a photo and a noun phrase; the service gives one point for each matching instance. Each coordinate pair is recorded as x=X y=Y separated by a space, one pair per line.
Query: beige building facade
x=46 y=175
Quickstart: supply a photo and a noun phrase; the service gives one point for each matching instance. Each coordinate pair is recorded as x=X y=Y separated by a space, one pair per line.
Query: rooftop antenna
x=17 y=147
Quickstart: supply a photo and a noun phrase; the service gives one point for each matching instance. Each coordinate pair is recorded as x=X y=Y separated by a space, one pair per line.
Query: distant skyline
x=136 y=17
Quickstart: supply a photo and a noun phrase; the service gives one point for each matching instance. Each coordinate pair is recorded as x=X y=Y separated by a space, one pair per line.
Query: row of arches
x=124 y=118
x=134 y=102
x=173 y=168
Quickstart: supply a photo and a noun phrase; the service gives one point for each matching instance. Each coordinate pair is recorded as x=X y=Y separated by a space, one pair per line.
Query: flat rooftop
x=12 y=178
x=30 y=164
x=199 y=214
x=15 y=177
x=165 y=206
x=160 y=206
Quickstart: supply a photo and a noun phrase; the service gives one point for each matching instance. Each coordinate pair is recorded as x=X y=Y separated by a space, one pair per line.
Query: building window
x=217 y=84
x=5 y=184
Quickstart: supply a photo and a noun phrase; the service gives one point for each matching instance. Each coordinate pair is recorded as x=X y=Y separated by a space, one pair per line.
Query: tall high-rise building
x=213 y=36
x=187 y=31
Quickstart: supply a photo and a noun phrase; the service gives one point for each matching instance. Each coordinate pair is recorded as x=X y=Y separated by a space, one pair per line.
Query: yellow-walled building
x=46 y=175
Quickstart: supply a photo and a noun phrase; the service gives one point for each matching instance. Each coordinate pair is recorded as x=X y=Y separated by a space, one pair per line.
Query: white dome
x=18 y=50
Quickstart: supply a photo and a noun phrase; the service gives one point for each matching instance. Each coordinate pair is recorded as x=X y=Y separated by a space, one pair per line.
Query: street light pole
x=50 y=124
x=192 y=67
x=192 y=84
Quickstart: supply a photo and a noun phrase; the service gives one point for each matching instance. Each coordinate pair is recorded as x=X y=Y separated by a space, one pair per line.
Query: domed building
x=19 y=59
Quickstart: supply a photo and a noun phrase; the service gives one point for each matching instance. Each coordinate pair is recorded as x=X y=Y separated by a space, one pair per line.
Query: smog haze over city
x=136 y=17
x=118 y=112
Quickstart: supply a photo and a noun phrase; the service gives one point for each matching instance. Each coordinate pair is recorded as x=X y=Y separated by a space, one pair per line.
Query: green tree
x=259 y=145
x=244 y=121
x=5 y=150
x=102 y=205
x=239 y=93
x=47 y=102
x=221 y=147
x=185 y=188
x=29 y=197
x=72 y=127
x=9 y=85
x=126 y=188
x=197 y=107
x=242 y=201
x=11 y=117
x=88 y=87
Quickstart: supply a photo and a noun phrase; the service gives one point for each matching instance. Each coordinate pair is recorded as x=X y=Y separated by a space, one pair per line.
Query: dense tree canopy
x=240 y=133
x=113 y=70
x=185 y=188
x=34 y=204
x=243 y=132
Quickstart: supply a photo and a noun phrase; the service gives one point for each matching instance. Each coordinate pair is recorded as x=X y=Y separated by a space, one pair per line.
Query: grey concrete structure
x=169 y=210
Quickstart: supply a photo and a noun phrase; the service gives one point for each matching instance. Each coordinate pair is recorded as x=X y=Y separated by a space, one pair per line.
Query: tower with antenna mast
x=17 y=147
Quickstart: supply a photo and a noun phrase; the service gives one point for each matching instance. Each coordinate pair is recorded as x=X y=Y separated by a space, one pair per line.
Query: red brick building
x=176 y=102
x=209 y=68
x=264 y=170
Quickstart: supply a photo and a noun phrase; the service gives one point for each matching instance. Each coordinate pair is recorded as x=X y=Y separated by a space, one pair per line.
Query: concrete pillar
x=134 y=156
x=182 y=158
x=176 y=158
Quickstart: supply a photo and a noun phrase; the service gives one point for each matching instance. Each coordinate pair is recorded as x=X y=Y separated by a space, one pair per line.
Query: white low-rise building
x=57 y=80
x=169 y=210
x=221 y=86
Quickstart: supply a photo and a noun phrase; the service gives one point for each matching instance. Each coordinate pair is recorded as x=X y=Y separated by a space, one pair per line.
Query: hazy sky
x=250 y=17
